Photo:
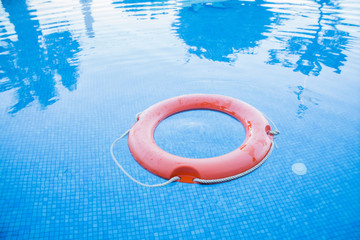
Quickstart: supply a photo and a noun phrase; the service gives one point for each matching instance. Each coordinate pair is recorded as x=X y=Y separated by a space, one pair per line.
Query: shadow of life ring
x=255 y=148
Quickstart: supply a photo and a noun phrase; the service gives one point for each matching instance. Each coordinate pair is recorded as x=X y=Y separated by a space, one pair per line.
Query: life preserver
x=253 y=150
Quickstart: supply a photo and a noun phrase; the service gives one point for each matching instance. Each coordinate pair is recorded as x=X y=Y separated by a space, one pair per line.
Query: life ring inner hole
x=199 y=134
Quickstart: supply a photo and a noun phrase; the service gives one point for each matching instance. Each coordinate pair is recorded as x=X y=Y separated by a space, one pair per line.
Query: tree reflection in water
x=217 y=30
x=32 y=64
x=88 y=19
x=308 y=49
x=319 y=44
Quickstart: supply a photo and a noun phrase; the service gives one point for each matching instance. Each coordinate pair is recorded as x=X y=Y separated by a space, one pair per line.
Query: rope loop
x=131 y=177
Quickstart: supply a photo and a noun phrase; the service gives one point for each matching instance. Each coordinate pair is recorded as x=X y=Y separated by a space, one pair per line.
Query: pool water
x=73 y=75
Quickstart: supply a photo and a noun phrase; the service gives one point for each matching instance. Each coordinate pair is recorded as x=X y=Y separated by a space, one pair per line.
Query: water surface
x=73 y=74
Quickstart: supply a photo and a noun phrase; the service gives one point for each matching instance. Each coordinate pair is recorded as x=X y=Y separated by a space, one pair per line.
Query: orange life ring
x=254 y=149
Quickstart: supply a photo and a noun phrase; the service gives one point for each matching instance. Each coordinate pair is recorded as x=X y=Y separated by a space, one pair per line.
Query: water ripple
x=305 y=36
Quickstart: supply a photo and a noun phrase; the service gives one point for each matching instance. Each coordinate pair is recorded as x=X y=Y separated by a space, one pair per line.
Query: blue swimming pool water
x=73 y=74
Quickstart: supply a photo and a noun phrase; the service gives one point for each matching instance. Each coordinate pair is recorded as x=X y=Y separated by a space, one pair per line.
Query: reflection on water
x=34 y=63
x=143 y=9
x=86 y=10
x=217 y=30
x=220 y=30
x=308 y=48
x=321 y=43
x=305 y=98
